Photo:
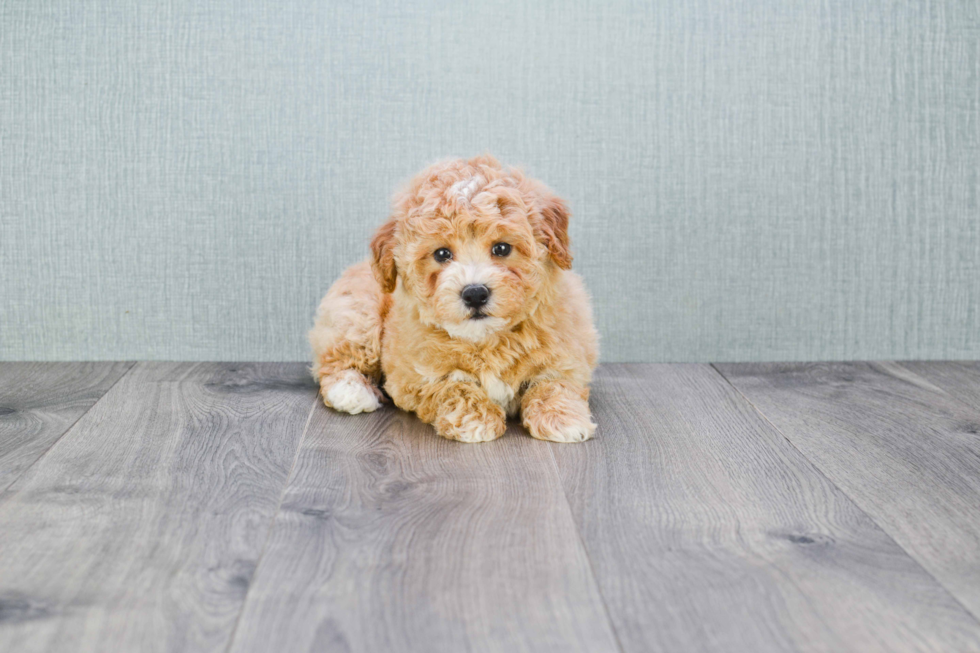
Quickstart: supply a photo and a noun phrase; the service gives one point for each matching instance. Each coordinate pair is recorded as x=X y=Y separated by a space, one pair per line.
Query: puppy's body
x=528 y=346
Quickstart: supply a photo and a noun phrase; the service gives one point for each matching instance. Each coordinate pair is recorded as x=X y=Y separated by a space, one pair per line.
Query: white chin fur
x=475 y=330
x=350 y=395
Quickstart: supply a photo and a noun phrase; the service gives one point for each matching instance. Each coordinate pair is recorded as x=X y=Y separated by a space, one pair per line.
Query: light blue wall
x=750 y=179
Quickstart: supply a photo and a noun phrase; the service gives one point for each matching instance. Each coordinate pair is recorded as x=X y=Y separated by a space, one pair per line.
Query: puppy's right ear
x=383 y=259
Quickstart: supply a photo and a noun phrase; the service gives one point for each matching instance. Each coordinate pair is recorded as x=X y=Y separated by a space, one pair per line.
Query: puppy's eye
x=442 y=255
x=500 y=249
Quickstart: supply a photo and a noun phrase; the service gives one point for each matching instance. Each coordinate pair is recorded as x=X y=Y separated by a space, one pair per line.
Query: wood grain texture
x=899 y=446
x=39 y=402
x=141 y=528
x=393 y=539
x=960 y=379
x=708 y=531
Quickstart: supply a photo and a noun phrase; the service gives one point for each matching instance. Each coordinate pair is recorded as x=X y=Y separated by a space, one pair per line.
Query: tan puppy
x=467 y=311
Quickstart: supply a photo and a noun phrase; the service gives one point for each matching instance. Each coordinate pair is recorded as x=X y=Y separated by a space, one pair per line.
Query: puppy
x=466 y=312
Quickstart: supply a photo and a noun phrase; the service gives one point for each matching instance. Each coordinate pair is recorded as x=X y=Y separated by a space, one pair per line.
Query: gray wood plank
x=708 y=531
x=960 y=379
x=39 y=402
x=391 y=538
x=901 y=448
x=141 y=527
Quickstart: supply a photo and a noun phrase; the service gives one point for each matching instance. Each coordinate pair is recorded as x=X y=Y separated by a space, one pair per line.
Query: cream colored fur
x=398 y=317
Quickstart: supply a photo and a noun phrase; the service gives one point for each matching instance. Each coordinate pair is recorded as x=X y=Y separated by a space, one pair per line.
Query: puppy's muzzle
x=475 y=296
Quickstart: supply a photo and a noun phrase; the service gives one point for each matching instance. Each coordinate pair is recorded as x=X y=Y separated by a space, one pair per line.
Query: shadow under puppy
x=467 y=311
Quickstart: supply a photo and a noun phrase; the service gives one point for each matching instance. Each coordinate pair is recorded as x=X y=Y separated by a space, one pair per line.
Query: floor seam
x=272 y=524
x=853 y=501
x=132 y=365
x=585 y=549
x=939 y=388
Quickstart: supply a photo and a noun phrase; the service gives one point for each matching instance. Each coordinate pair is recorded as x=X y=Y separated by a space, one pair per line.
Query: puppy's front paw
x=471 y=419
x=475 y=429
x=561 y=428
x=557 y=414
x=350 y=392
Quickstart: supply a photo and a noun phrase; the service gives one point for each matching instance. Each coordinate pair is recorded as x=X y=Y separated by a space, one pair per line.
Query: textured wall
x=750 y=179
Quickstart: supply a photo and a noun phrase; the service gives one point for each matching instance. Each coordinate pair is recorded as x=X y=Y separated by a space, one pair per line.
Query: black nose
x=475 y=295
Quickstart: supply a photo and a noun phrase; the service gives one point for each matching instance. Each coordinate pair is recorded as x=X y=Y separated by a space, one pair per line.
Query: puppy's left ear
x=383 y=256
x=554 y=231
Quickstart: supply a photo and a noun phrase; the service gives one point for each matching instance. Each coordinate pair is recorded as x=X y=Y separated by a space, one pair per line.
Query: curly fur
x=397 y=319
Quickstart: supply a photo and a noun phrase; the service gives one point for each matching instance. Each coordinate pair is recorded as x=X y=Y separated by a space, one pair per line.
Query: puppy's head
x=475 y=246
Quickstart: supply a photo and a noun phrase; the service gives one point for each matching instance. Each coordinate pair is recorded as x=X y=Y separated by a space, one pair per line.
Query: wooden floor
x=751 y=507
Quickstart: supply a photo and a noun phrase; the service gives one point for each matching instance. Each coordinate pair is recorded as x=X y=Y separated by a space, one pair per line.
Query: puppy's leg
x=349 y=391
x=557 y=411
x=346 y=341
x=463 y=411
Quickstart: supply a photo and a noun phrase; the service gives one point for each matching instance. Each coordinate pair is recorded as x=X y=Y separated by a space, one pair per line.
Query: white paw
x=351 y=395
x=566 y=430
